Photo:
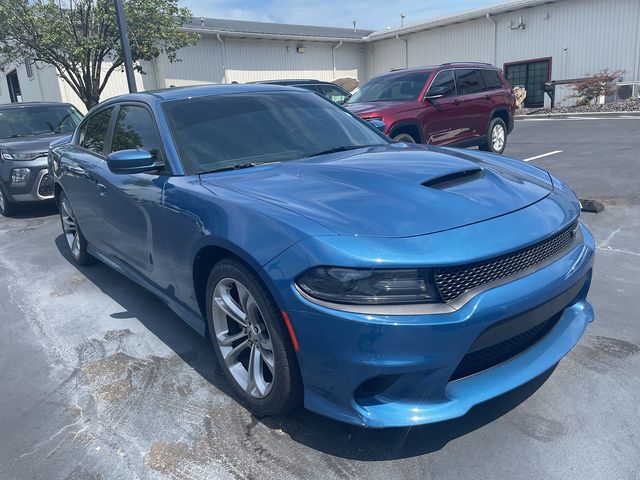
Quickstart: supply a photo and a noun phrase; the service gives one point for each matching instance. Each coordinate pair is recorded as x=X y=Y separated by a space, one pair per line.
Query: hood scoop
x=454 y=179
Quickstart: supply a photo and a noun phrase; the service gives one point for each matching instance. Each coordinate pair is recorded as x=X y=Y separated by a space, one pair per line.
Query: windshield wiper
x=238 y=166
x=340 y=149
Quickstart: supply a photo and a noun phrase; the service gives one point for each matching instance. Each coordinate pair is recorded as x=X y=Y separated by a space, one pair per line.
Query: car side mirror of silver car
x=133 y=161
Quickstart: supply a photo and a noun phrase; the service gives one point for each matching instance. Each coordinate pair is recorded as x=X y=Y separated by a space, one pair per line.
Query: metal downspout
x=333 y=58
x=406 y=50
x=495 y=38
x=224 y=58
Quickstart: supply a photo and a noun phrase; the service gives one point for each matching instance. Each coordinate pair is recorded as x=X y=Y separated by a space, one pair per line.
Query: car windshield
x=27 y=121
x=223 y=131
x=397 y=86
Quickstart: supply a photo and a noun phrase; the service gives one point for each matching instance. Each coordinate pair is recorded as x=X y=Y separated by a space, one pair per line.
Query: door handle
x=456 y=102
x=102 y=189
x=487 y=97
x=77 y=169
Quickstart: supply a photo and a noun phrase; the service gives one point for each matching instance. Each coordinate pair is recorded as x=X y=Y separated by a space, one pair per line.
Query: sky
x=369 y=14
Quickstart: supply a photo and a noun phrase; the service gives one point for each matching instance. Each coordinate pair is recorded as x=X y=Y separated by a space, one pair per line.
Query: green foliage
x=78 y=36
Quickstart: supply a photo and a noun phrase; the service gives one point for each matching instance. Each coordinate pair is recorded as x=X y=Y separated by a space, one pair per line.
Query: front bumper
x=395 y=371
x=37 y=187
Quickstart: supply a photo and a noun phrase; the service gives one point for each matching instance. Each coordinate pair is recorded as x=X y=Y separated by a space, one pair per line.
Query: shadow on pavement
x=314 y=431
x=35 y=210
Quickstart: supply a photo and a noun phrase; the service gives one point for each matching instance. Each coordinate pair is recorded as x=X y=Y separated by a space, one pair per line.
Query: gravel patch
x=632 y=105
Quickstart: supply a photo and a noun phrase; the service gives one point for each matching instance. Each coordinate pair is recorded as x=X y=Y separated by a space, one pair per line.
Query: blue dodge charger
x=379 y=283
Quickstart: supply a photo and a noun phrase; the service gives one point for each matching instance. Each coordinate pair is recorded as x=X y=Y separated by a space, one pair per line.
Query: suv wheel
x=71 y=230
x=7 y=207
x=496 y=139
x=404 y=138
x=251 y=340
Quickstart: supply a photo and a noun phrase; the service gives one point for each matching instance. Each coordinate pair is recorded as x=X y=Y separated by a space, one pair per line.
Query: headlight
x=369 y=287
x=22 y=156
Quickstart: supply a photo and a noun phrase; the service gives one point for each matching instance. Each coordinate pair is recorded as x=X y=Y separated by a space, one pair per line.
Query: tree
x=80 y=37
x=594 y=86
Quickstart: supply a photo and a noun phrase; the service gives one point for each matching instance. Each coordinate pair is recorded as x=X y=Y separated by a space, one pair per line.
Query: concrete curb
x=578 y=114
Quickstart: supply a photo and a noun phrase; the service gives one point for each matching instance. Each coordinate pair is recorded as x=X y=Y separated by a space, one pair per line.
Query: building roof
x=465 y=16
x=239 y=28
x=244 y=29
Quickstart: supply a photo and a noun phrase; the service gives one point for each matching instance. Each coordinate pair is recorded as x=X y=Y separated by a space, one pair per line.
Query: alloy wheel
x=243 y=338
x=497 y=137
x=70 y=228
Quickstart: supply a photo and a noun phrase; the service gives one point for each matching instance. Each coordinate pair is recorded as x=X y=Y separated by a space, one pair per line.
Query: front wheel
x=251 y=341
x=496 y=140
x=7 y=208
x=75 y=239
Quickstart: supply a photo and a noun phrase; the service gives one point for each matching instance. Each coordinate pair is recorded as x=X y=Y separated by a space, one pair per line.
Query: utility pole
x=126 y=48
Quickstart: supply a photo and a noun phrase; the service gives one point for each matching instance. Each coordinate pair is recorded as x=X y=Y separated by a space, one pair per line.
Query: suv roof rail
x=468 y=63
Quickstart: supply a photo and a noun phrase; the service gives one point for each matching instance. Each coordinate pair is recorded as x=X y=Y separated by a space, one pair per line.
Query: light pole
x=126 y=48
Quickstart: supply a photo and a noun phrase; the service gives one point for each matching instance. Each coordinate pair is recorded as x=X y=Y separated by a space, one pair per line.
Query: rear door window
x=445 y=79
x=94 y=132
x=333 y=93
x=491 y=79
x=469 y=81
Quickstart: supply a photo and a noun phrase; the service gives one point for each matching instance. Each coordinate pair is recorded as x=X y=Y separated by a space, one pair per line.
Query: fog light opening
x=372 y=391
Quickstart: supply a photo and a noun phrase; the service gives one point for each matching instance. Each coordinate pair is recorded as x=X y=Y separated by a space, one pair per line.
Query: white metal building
x=533 y=40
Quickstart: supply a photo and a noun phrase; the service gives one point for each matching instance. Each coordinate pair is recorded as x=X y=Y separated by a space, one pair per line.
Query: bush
x=589 y=89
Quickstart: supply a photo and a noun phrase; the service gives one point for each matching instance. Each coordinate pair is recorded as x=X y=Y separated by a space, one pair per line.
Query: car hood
x=365 y=108
x=392 y=191
x=35 y=144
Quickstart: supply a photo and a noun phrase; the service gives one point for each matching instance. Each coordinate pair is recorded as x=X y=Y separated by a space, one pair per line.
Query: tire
x=232 y=291
x=496 y=137
x=7 y=207
x=71 y=230
x=404 y=138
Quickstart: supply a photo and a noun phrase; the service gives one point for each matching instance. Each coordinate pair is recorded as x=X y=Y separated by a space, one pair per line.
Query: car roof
x=433 y=68
x=177 y=93
x=291 y=82
x=33 y=104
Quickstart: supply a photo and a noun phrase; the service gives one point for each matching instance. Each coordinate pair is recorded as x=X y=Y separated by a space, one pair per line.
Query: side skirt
x=193 y=320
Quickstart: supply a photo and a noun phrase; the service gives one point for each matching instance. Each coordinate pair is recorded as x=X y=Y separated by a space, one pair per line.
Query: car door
x=439 y=119
x=81 y=164
x=473 y=105
x=131 y=203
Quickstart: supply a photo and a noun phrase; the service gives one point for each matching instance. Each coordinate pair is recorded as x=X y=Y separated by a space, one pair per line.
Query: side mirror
x=132 y=161
x=437 y=92
x=378 y=124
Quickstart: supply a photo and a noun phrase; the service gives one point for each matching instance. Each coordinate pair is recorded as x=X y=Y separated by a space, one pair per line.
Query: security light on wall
x=300 y=49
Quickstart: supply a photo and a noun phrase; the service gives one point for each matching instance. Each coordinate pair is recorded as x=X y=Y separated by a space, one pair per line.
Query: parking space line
x=542 y=156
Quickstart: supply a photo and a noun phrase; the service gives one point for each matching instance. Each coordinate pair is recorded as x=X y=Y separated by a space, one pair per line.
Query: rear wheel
x=7 y=208
x=404 y=138
x=496 y=138
x=75 y=240
x=251 y=341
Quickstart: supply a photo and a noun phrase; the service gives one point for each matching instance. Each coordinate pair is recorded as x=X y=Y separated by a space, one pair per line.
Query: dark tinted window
x=38 y=120
x=226 y=130
x=469 y=81
x=491 y=79
x=397 y=86
x=95 y=131
x=445 y=79
x=135 y=128
x=333 y=93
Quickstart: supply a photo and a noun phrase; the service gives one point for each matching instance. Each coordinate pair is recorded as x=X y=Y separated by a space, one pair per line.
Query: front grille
x=454 y=281
x=488 y=357
x=45 y=188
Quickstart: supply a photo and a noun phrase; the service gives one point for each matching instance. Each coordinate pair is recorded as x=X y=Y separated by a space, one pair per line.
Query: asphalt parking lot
x=99 y=379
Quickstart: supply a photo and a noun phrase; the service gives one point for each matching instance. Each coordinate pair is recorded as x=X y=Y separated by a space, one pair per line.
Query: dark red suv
x=454 y=104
